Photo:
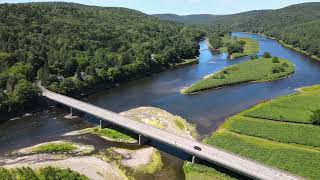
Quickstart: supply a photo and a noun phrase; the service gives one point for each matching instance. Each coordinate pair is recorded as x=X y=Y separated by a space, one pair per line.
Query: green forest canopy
x=297 y=25
x=72 y=47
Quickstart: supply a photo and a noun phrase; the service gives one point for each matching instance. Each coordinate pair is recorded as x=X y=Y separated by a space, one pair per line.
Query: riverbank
x=250 y=46
x=289 y=46
x=42 y=104
x=258 y=70
x=279 y=133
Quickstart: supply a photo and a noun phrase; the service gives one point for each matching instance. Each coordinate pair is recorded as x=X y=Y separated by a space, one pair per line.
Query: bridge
x=235 y=163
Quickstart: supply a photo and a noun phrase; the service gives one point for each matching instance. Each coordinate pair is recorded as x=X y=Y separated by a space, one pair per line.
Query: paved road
x=230 y=161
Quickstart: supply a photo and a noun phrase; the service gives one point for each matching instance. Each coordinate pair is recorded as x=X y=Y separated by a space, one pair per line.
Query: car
x=197 y=148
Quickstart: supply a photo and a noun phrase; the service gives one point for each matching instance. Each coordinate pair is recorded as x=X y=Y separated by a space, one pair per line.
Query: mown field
x=263 y=69
x=277 y=138
x=251 y=46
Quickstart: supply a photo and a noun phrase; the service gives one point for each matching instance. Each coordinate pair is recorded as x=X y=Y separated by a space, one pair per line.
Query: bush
x=277 y=69
x=254 y=57
x=285 y=64
x=267 y=55
x=275 y=60
x=315 y=118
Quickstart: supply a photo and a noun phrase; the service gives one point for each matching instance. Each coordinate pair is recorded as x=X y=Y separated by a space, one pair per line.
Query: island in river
x=257 y=70
x=235 y=47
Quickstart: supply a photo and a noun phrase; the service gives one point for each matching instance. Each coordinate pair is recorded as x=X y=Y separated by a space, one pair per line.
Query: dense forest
x=296 y=25
x=71 y=47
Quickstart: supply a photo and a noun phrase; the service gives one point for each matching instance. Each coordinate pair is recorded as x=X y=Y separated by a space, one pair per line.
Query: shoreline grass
x=113 y=135
x=289 y=46
x=55 y=147
x=284 y=143
x=250 y=47
x=257 y=70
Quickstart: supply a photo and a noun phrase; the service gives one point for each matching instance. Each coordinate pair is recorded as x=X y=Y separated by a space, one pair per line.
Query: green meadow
x=257 y=70
x=277 y=138
x=250 y=47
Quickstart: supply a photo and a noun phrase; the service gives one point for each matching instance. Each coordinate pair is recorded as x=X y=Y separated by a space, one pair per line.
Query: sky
x=184 y=7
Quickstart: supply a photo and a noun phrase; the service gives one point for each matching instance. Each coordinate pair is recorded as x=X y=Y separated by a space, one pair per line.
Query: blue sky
x=183 y=7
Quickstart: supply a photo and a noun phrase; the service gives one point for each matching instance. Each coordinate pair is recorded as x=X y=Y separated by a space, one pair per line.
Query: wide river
x=207 y=110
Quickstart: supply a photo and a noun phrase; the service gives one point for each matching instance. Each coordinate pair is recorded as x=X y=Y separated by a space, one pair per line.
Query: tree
x=67 y=86
x=275 y=60
x=267 y=55
x=25 y=93
x=215 y=40
x=277 y=69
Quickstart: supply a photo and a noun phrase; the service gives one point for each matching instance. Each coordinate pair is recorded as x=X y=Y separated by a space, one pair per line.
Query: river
x=207 y=110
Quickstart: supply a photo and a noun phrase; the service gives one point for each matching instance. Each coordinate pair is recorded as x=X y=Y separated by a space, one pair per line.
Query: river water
x=207 y=110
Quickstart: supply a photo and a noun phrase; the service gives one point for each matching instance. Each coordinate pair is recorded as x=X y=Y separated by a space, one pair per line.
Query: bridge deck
x=228 y=160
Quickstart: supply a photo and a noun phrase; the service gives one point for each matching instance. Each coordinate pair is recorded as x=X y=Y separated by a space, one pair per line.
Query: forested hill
x=299 y=13
x=297 y=25
x=72 y=47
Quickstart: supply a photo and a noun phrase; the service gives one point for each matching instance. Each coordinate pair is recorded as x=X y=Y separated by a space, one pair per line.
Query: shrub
x=277 y=69
x=267 y=55
x=285 y=64
x=315 y=118
x=225 y=72
x=254 y=57
x=275 y=60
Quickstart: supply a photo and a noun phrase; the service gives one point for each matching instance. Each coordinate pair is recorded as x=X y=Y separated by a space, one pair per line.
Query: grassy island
x=257 y=70
x=283 y=133
x=250 y=47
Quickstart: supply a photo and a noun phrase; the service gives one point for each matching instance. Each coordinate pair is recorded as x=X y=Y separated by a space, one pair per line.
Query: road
x=228 y=160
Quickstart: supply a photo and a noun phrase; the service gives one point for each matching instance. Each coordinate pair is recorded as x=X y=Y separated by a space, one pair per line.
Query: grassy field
x=55 y=147
x=44 y=173
x=286 y=144
x=250 y=71
x=251 y=46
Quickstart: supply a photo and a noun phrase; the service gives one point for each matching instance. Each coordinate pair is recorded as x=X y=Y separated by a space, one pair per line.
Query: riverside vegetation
x=256 y=70
x=72 y=47
x=283 y=133
x=296 y=25
x=235 y=47
x=41 y=174
x=123 y=159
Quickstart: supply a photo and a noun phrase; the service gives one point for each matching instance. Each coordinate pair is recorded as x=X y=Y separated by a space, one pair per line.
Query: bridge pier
x=142 y=140
x=104 y=124
x=195 y=159
x=75 y=112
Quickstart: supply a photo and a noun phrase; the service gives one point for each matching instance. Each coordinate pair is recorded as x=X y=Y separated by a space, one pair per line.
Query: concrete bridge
x=238 y=164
